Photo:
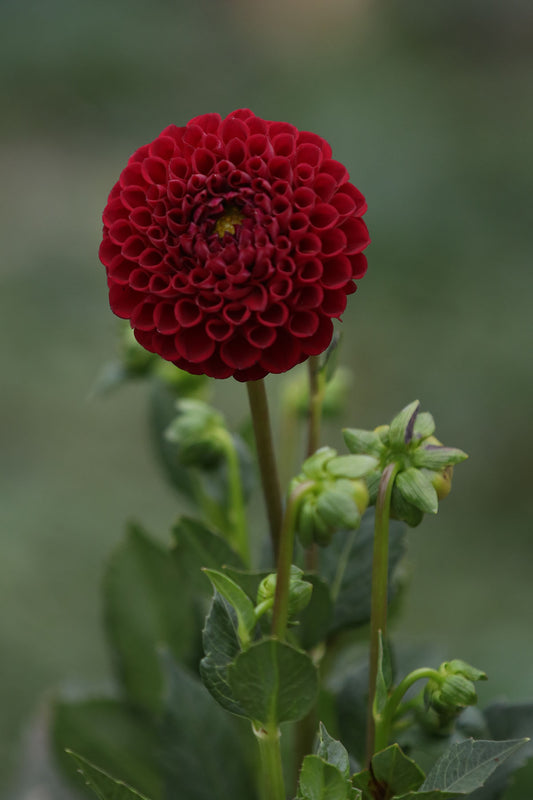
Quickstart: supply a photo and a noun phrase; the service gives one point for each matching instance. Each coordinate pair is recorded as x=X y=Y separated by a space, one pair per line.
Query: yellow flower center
x=228 y=220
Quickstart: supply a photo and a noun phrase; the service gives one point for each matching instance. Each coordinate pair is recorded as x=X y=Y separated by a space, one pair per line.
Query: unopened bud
x=300 y=591
x=197 y=432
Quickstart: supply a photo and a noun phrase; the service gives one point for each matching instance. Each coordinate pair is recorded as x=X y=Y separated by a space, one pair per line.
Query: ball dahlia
x=231 y=244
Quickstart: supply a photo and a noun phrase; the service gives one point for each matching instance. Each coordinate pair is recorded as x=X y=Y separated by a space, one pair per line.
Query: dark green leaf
x=313 y=621
x=221 y=646
x=466 y=766
x=122 y=740
x=332 y=751
x=346 y=565
x=322 y=781
x=146 y=605
x=507 y=721
x=205 y=751
x=273 y=682
x=392 y=768
x=239 y=601
x=102 y=784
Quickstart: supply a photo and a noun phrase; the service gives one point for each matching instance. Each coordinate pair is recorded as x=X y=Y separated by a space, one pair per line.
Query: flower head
x=231 y=244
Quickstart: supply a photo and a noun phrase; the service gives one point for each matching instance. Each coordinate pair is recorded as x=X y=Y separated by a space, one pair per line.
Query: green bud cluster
x=200 y=433
x=425 y=465
x=452 y=689
x=300 y=591
x=337 y=495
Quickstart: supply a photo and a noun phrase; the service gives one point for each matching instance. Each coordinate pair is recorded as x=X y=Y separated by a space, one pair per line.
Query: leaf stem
x=267 y=460
x=280 y=614
x=271 y=776
x=379 y=596
x=383 y=726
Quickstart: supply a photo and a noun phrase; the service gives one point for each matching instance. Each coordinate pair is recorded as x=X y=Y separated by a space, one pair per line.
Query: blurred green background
x=429 y=105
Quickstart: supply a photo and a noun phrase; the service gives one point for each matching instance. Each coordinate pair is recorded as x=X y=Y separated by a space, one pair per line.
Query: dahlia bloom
x=231 y=244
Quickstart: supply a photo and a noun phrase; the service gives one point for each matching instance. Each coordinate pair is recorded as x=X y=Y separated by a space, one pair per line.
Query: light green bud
x=199 y=432
x=300 y=590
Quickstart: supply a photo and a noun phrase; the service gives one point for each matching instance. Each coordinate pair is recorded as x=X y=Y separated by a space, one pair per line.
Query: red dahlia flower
x=230 y=244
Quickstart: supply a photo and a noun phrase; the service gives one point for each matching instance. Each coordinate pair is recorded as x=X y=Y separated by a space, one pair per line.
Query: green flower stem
x=272 y=786
x=317 y=388
x=316 y=399
x=280 y=614
x=239 y=530
x=267 y=460
x=383 y=725
x=380 y=574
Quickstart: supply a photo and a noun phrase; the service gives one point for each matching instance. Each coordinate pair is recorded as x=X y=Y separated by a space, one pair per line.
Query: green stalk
x=316 y=400
x=267 y=459
x=239 y=531
x=280 y=613
x=272 y=784
x=383 y=726
x=380 y=570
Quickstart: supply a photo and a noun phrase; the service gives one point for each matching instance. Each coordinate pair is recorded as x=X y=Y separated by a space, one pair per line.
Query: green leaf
x=467 y=765
x=238 y=600
x=205 y=751
x=436 y=457
x=346 y=565
x=507 y=721
x=402 y=426
x=382 y=679
x=273 y=682
x=417 y=489
x=352 y=467
x=221 y=646
x=314 y=620
x=332 y=751
x=122 y=740
x=395 y=770
x=102 y=784
x=320 y=780
x=146 y=604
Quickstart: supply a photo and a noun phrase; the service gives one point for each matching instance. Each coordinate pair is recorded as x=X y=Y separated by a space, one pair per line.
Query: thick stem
x=271 y=777
x=380 y=574
x=267 y=460
x=280 y=614
x=383 y=727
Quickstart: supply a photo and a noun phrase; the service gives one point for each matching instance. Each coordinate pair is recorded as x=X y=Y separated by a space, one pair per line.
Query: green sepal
x=424 y=425
x=437 y=457
x=338 y=509
x=458 y=667
x=363 y=442
x=240 y=601
x=402 y=426
x=354 y=466
x=313 y=467
x=273 y=682
x=102 y=784
x=397 y=771
x=417 y=489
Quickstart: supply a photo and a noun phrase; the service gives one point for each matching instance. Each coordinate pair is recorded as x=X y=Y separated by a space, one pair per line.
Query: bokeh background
x=429 y=105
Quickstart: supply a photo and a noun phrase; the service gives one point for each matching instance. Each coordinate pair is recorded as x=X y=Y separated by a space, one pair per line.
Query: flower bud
x=300 y=591
x=337 y=497
x=197 y=432
x=453 y=689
